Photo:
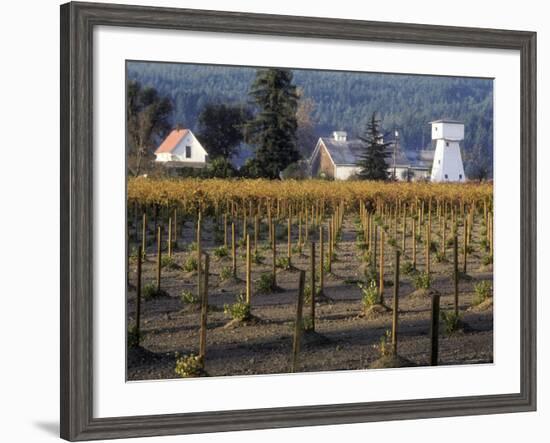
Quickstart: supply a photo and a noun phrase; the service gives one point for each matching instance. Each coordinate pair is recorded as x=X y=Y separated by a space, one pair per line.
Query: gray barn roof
x=348 y=153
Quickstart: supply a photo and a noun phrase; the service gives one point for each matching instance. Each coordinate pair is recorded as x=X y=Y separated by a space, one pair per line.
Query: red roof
x=172 y=140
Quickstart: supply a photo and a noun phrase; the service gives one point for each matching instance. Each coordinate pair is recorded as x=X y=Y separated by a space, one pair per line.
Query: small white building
x=447 y=164
x=181 y=149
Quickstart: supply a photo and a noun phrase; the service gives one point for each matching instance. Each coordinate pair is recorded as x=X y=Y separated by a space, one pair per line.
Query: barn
x=336 y=157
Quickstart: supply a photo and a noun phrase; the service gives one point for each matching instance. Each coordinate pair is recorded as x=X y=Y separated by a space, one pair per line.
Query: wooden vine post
x=289 y=241
x=225 y=230
x=414 y=243
x=159 y=256
x=443 y=238
x=465 y=245
x=381 y=284
x=199 y=257
x=434 y=329
x=256 y=230
x=204 y=310
x=170 y=237
x=175 y=229
x=427 y=248
x=144 y=233
x=233 y=251
x=313 y=286
x=404 y=232
x=298 y=322
x=329 y=258
x=455 y=273
x=248 y=270
x=395 y=302
x=374 y=247
x=138 y=298
x=321 y=260
x=274 y=252
x=300 y=232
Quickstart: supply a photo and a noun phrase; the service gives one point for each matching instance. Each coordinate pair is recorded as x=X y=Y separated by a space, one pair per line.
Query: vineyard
x=229 y=277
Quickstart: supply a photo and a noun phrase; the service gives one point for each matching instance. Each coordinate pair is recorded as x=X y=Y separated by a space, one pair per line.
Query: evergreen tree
x=373 y=160
x=221 y=129
x=273 y=129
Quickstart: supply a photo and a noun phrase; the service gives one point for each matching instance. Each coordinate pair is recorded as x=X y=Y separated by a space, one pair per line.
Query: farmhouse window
x=188 y=152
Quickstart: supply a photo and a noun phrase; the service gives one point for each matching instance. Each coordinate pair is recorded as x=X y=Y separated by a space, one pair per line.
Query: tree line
x=224 y=103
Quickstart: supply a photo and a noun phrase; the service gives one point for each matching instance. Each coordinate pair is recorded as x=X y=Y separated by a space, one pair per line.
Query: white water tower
x=447 y=165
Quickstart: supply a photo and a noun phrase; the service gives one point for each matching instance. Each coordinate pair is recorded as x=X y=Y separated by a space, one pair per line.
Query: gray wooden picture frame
x=77 y=23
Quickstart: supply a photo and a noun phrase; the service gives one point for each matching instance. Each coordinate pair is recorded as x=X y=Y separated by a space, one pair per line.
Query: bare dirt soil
x=169 y=325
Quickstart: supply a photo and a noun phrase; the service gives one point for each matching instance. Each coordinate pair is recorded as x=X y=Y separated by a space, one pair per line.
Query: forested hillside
x=341 y=100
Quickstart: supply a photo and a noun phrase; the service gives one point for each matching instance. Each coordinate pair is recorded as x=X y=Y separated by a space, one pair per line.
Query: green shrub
x=149 y=291
x=370 y=275
x=483 y=290
x=257 y=258
x=484 y=244
x=168 y=262
x=440 y=257
x=282 y=263
x=188 y=365
x=367 y=257
x=392 y=242
x=487 y=260
x=191 y=247
x=385 y=341
x=240 y=310
x=452 y=321
x=296 y=249
x=307 y=323
x=369 y=294
x=226 y=273
x=407 y=268
x=133 y=337
x=188 y=298
x=422 y=280
x=134 y=254
x=221 y=252
x=265 y=284
x=191 y=264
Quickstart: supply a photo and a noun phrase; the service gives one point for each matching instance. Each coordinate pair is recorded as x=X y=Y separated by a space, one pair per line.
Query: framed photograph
x=273 y=221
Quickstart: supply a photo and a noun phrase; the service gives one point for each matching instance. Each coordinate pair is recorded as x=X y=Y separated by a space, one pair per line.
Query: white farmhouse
x=181 y=149
x=447 y=164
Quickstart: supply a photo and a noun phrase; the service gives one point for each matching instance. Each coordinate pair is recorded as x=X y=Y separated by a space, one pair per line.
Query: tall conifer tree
x=373 y=160
x=273 y=129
